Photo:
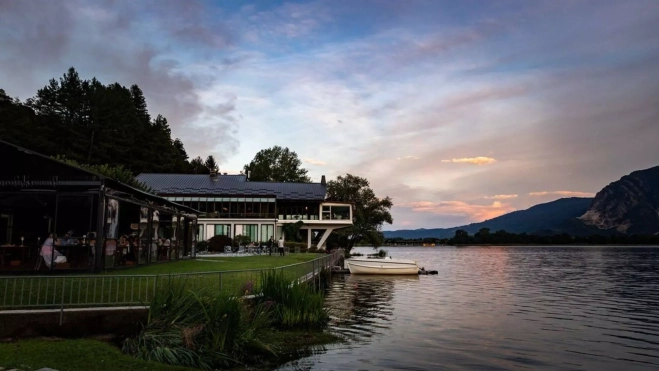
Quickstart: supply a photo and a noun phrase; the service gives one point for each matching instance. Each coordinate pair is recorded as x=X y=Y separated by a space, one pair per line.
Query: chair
x=111 y=250
x=39 y=260
x=227 y=249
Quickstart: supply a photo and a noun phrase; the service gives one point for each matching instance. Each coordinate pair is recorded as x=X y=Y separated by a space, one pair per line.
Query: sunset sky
x=458 y=110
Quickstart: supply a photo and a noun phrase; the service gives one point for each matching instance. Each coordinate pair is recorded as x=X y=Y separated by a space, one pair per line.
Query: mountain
x=629 y=205
x=548 y=218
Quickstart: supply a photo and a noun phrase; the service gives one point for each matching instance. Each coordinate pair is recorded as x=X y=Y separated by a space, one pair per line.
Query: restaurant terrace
x=56 y=217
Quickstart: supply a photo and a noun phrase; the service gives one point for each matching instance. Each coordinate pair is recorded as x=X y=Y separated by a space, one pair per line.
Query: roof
x=231 y=185
x=39 y=171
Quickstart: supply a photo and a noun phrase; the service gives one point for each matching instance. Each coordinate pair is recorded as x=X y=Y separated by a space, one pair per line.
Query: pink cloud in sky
x=501 y=197
x=473 y=160
x=475 y=212
x=562 y=193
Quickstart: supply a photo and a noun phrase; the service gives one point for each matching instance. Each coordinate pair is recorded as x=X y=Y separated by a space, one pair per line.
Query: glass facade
x=336 y=212
x=223 y=229
x=230 y=207
x=250 y=230
x=267 y=230
x=298 y=211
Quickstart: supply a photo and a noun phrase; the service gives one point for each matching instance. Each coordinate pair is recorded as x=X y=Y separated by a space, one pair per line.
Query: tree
x=292 y=231
x=369 y=211
x=461 y=237
x=276 y=164
x=483 y=235
x=198 y=166
x=118 y=173
x=210 y=164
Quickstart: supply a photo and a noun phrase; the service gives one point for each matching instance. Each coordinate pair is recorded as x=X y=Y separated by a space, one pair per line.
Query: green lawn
x=72 y=355
x=137 y=286
x=204 y=264
x=92 y=355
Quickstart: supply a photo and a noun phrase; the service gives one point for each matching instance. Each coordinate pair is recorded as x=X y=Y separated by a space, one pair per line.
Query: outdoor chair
x=227 y=249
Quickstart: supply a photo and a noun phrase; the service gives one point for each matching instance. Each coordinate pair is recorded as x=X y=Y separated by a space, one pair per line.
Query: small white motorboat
x=382 y=266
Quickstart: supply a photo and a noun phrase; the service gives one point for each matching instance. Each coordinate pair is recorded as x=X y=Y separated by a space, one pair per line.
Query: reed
x=293 y=304
x=200 y=329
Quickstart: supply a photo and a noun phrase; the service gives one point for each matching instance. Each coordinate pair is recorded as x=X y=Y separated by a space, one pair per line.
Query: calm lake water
x=499 y=308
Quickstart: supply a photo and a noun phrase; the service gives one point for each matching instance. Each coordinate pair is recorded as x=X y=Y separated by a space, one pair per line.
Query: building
x=95 y=222
x=233 y=205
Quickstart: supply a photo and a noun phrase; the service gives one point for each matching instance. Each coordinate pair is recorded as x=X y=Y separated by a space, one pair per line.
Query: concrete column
x=325 y=235
x=309 y=233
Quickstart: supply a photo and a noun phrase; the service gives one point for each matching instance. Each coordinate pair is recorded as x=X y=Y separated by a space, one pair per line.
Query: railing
x=128 y=290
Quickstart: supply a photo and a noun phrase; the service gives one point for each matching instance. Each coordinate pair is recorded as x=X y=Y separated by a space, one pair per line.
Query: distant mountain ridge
x=555 y=216
x=627 y=206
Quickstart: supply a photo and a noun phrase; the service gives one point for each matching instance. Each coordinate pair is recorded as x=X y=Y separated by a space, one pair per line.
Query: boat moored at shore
x=382 y=266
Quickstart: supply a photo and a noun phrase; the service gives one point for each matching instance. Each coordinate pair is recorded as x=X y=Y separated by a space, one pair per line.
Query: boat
x=382 y=266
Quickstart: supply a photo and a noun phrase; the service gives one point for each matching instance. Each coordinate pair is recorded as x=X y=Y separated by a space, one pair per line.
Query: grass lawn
x=87 y=354
x=73 y=355
x=204 y=264
x=131 y=287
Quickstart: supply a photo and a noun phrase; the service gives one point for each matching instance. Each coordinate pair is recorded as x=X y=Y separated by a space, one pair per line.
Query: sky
x=459 y=111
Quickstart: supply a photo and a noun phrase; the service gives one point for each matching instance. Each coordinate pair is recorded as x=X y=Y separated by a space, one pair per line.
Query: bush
x=217 y=243
x=293 y=304
x=202 y=246
x=201 y=330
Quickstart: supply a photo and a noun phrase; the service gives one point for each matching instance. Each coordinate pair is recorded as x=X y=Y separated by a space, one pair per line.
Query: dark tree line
x=96 y=124
x=485 y=237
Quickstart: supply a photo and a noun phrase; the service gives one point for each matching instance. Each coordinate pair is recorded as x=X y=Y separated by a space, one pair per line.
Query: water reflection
x=361 y=305
x=500 y=308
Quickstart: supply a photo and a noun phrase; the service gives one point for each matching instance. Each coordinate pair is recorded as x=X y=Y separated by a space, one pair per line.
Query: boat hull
x=382 y=266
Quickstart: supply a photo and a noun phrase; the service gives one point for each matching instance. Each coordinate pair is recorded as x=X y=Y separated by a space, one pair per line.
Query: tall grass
x=200 y=329
x=207 y=329
x=293 y=304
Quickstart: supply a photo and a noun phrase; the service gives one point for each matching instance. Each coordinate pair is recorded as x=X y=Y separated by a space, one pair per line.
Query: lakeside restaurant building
x=96 y=223
x=233 y=205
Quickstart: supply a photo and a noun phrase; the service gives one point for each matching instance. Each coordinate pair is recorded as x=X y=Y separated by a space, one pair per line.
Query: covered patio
x=55 y=217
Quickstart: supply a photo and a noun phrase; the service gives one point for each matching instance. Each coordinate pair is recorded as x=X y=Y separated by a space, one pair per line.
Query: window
x=267 y=230
x=336 y=212
x=200 y=233
x=250 y=230
x=223 y=229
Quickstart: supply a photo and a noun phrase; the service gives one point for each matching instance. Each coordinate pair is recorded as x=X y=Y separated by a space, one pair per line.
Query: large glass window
x=200 y=233
x=250 y=230
x=267 y=231
x=223 y=229
x=336 y=212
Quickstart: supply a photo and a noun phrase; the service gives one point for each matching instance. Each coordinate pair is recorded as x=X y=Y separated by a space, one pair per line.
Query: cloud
x=409 y=158
x=315 y=162
x=129 y=43
x=473 y=160
x=562 y=193
x=502 y=197
x=474 y=212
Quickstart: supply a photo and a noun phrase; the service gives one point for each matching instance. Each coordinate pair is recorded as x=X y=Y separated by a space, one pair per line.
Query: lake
x=499 y=308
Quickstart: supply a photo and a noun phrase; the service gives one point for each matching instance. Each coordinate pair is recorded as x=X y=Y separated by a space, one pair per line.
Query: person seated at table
x=68 y=240
x=49 y=253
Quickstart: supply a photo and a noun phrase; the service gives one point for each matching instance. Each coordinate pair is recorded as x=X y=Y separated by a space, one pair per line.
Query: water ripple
x=500 y=308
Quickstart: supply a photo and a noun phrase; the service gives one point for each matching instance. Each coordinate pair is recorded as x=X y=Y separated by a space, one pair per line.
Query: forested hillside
x=89 y=122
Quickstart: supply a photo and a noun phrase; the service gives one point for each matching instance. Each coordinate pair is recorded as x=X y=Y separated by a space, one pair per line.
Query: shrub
x=217 y=243
x=293 y=304
x=197 y=329
x=202 y=246
x=382 y=253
